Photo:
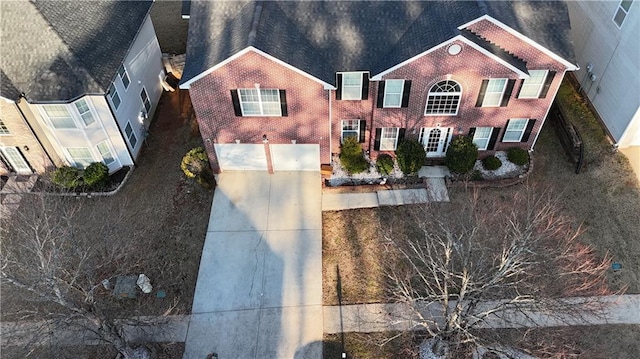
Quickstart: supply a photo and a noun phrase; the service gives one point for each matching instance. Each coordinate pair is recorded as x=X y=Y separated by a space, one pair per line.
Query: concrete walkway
x=435 y=191
x=259 y=288
x=11 y=193
x=368 y=318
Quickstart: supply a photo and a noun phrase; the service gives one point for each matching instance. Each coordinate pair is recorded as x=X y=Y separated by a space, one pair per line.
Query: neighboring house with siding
x=605 y=34
x=278 y=85
x=82 y=79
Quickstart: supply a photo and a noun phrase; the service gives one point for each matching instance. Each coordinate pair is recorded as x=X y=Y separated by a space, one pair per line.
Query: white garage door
x=295 y=157
x=241 y=157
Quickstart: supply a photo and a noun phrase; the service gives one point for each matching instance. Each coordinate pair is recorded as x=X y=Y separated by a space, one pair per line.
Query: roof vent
x=454 y=49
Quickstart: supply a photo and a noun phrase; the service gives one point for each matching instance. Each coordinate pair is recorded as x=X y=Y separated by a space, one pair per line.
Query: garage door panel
x=241 y=157
x=295 y=157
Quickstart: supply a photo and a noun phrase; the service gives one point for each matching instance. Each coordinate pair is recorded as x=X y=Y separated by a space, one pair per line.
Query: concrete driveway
x=259 y=289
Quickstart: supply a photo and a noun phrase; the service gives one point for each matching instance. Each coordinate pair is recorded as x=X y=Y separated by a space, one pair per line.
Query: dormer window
x=352 y=86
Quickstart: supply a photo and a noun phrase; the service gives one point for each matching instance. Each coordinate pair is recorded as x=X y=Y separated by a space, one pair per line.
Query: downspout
x=330 y=129
x=544 y=119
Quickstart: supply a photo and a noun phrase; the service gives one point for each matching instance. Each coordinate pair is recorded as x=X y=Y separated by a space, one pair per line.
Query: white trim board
x=187 y=84
x=567 y=64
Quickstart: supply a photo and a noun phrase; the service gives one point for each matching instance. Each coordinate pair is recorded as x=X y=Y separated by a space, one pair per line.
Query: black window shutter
x=507 y=93
x=236 y=103
x=283 y=103
x=401 y=135
x=494 y=138
x=519 y=89
x=505 y=131
x=363 y=127
x=483 y=90
x=547 y=84
x=365 y=86
x=527 y=131
x=339 y=87
x=472 y=131
x=376 y=142
x=405 y=93
x=380 y=101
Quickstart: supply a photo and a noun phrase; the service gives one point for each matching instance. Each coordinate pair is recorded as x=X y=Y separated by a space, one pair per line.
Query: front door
x=16 y=161
x=435 y=140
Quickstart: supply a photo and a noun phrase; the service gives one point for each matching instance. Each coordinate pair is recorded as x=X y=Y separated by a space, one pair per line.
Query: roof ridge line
x=254 y=23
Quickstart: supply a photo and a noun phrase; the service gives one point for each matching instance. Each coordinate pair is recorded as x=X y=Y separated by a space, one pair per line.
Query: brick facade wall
x=20 y=135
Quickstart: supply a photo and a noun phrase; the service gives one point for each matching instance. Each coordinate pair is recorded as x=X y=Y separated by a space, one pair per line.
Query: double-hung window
x=113 y=95
x=80 y=156
x=260 y=102
x=131 y=135
x=85 y=112
x=393 y=93
x=532 y=86
x=389 y=138
x=3 y=128
x=494 y=93
x=352 y=86
x=621 y=13
x=145 y=100
x=481 y=137
x=350 y=128
x=515 y=130
x=105 y=153
x=124 y=76
x=443 y=98
x=59 y=116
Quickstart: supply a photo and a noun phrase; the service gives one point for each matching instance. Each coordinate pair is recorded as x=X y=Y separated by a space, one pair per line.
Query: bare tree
x=54 y=268
x=490 y=262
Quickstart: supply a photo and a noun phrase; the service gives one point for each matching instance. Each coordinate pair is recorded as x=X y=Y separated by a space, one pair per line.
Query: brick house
x=80 y=82
x=278 y=85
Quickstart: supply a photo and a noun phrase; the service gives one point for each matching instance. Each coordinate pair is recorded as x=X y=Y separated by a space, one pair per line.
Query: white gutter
x=548 y=109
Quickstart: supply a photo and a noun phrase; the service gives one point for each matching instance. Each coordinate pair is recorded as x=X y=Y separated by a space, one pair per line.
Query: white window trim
x=488 y=138
x=359 y=97
x=144 y=106
x=112 y=94
x=511 y=123
x=45 y=115
x=342 y=130
x=4 y=130
x=382 y=138
x=133 y=133
x=540 y=86
x=506 y=81
x=618 y=9
x=386 y=88
x=73 y=160
x=126 y=73
x=111 y=152
x=89 y=106
x=459 y=94
x=260 y=103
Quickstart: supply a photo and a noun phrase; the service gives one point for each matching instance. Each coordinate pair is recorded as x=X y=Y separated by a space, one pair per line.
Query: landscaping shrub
x=491 y=163
x=461 y=155
x=518 y=156
x=385 y=164
x=96 y=174
x=195 y=164
x=352 y=157
x=411 y=156
x=67 y=177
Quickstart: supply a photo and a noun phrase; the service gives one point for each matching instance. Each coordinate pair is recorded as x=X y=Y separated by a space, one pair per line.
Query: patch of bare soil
x=159 y=350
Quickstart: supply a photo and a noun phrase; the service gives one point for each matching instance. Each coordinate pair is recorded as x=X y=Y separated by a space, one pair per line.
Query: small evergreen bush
x=352 y=157
x=518 y=156
x=385 y=164
x=67 y=177
x=461 y=155
x=411 y=156
x=96 y=174
x=491 y=163
x=195 y=164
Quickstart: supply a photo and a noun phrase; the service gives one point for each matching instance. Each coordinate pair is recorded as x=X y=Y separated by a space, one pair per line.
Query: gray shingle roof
x=60 y=50
x=323 y=37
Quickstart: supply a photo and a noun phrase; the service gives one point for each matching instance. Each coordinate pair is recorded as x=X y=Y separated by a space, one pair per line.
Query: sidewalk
x=435 y=191
x=367 y=318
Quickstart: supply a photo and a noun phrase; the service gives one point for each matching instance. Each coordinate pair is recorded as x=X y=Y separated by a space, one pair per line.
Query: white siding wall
x=144 y=67
x=615 y=55
x=103 y=129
